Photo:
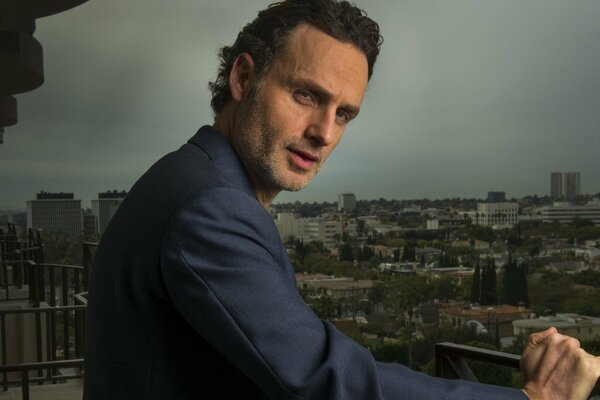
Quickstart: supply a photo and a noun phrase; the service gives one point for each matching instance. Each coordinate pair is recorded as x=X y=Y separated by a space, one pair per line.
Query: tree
x=346 y=252
x=396 y=256
x=476 y=285
x=409 y=251
x=324 y=307
x=515 y=284
x=301 y=251
x=377 y=295
x=405 y=293
x=443 y=288
x=366 y=253
x=488 y=284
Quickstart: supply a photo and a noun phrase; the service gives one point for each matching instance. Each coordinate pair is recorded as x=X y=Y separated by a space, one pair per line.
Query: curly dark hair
x=265 y=37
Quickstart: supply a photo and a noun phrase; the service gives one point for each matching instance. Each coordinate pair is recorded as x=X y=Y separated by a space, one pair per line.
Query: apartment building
x=105 y=207
x=326 y=231
x=55 y=212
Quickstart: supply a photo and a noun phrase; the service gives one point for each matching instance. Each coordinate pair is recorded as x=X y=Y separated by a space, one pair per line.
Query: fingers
x=544 y=353
x=555 y=367
x=538 y=337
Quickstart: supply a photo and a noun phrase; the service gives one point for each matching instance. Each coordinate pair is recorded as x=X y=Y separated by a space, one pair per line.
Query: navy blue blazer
x=193 y=296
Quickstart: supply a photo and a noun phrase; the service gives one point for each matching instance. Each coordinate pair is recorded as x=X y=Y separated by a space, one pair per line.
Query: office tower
x=346 y=202
x=496 y=197
x=572 y=188
x=55 y=212
x=556 y=185
x=105 y=207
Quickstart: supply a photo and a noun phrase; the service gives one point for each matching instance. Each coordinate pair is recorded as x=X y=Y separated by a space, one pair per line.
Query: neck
x=225 y=123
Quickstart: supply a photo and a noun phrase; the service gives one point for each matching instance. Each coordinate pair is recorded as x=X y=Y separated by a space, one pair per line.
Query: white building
x=105 y=207
x=433 y=224
x=496 y=215
x=286 y=225
x=329 y=232
x=578 y=326
x=321 y=230
x=55 y=212
x=565 y=212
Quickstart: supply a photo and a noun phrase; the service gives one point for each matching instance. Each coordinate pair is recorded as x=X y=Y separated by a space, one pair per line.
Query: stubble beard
x=261 y=152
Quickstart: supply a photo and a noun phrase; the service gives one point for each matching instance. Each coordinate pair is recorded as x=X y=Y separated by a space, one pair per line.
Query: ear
x=241 y=77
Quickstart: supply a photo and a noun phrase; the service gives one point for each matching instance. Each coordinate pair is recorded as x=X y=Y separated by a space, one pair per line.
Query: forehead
x=337 y=66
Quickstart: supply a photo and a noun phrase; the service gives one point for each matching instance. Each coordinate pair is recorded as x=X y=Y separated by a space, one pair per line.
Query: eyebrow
x=325 y=94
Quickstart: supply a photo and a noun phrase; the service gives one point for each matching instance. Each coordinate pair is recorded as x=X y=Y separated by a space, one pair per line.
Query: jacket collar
x=220 y=151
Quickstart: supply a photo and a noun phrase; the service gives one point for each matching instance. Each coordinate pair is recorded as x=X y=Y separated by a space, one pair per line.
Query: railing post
x=38 y=337
x=65 y=302
x=4 y=356
x=25 y=384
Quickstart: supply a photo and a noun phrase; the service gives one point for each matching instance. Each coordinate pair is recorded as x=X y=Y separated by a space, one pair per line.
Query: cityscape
x=399 y=276
x=410 y=277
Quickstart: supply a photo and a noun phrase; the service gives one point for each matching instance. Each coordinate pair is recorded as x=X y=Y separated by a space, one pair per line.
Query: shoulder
x=224 y=223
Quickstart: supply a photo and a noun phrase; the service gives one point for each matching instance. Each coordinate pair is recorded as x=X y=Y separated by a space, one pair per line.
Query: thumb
x=537 y=338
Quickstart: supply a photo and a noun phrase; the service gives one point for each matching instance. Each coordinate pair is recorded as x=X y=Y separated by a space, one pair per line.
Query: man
x=192 y=294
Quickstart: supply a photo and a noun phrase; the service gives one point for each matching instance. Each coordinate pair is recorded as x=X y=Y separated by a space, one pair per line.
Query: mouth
x=303 y=160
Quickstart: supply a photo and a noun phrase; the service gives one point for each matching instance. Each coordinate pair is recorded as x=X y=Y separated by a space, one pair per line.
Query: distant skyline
x=468 y=96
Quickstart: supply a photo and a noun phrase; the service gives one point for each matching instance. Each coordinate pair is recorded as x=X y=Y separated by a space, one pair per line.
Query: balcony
x=42 y=325
x=42 y=320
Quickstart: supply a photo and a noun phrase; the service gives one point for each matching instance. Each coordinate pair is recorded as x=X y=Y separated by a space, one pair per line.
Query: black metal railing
x=450 y=360
x=48 y=316
x=48 y=340
x=15 y=255
x=23 y=371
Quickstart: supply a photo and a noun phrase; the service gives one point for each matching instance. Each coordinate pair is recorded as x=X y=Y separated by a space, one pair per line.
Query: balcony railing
x=43 y=310
x=57 y=296
x=450 y=360
x=25 y=381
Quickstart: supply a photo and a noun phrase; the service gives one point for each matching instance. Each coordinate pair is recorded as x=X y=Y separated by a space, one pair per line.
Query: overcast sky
x=468 y=96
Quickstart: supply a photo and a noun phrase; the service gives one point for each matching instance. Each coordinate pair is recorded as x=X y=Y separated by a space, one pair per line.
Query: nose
x=322 y=129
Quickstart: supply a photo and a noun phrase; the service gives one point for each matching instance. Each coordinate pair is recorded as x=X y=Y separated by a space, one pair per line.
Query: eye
x=343 y=115
x=304 y=97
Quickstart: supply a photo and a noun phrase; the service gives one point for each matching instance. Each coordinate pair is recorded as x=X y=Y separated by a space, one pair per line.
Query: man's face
x=287 y=128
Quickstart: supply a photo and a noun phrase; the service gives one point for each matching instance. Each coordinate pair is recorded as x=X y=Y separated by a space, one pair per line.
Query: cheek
x=286 y=116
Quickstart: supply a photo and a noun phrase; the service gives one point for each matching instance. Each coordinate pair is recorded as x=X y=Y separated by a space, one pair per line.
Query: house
x=578 y=326
x=566 y=267
x=498 y=319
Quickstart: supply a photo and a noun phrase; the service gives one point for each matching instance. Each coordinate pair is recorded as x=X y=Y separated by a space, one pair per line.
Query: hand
x=555 y=367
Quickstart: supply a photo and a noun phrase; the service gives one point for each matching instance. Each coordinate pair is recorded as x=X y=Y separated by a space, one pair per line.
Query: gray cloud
x=468 y=96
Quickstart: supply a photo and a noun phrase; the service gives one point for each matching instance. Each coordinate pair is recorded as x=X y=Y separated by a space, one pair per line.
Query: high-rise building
x=565 y=185
x=346 y=202
x=572 y=185
x=496 y=197
x=556 y=185
x=55 y=212
x=105 y=207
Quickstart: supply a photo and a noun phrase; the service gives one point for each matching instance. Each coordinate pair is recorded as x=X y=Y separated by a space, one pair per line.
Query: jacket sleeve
x=225 y=271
